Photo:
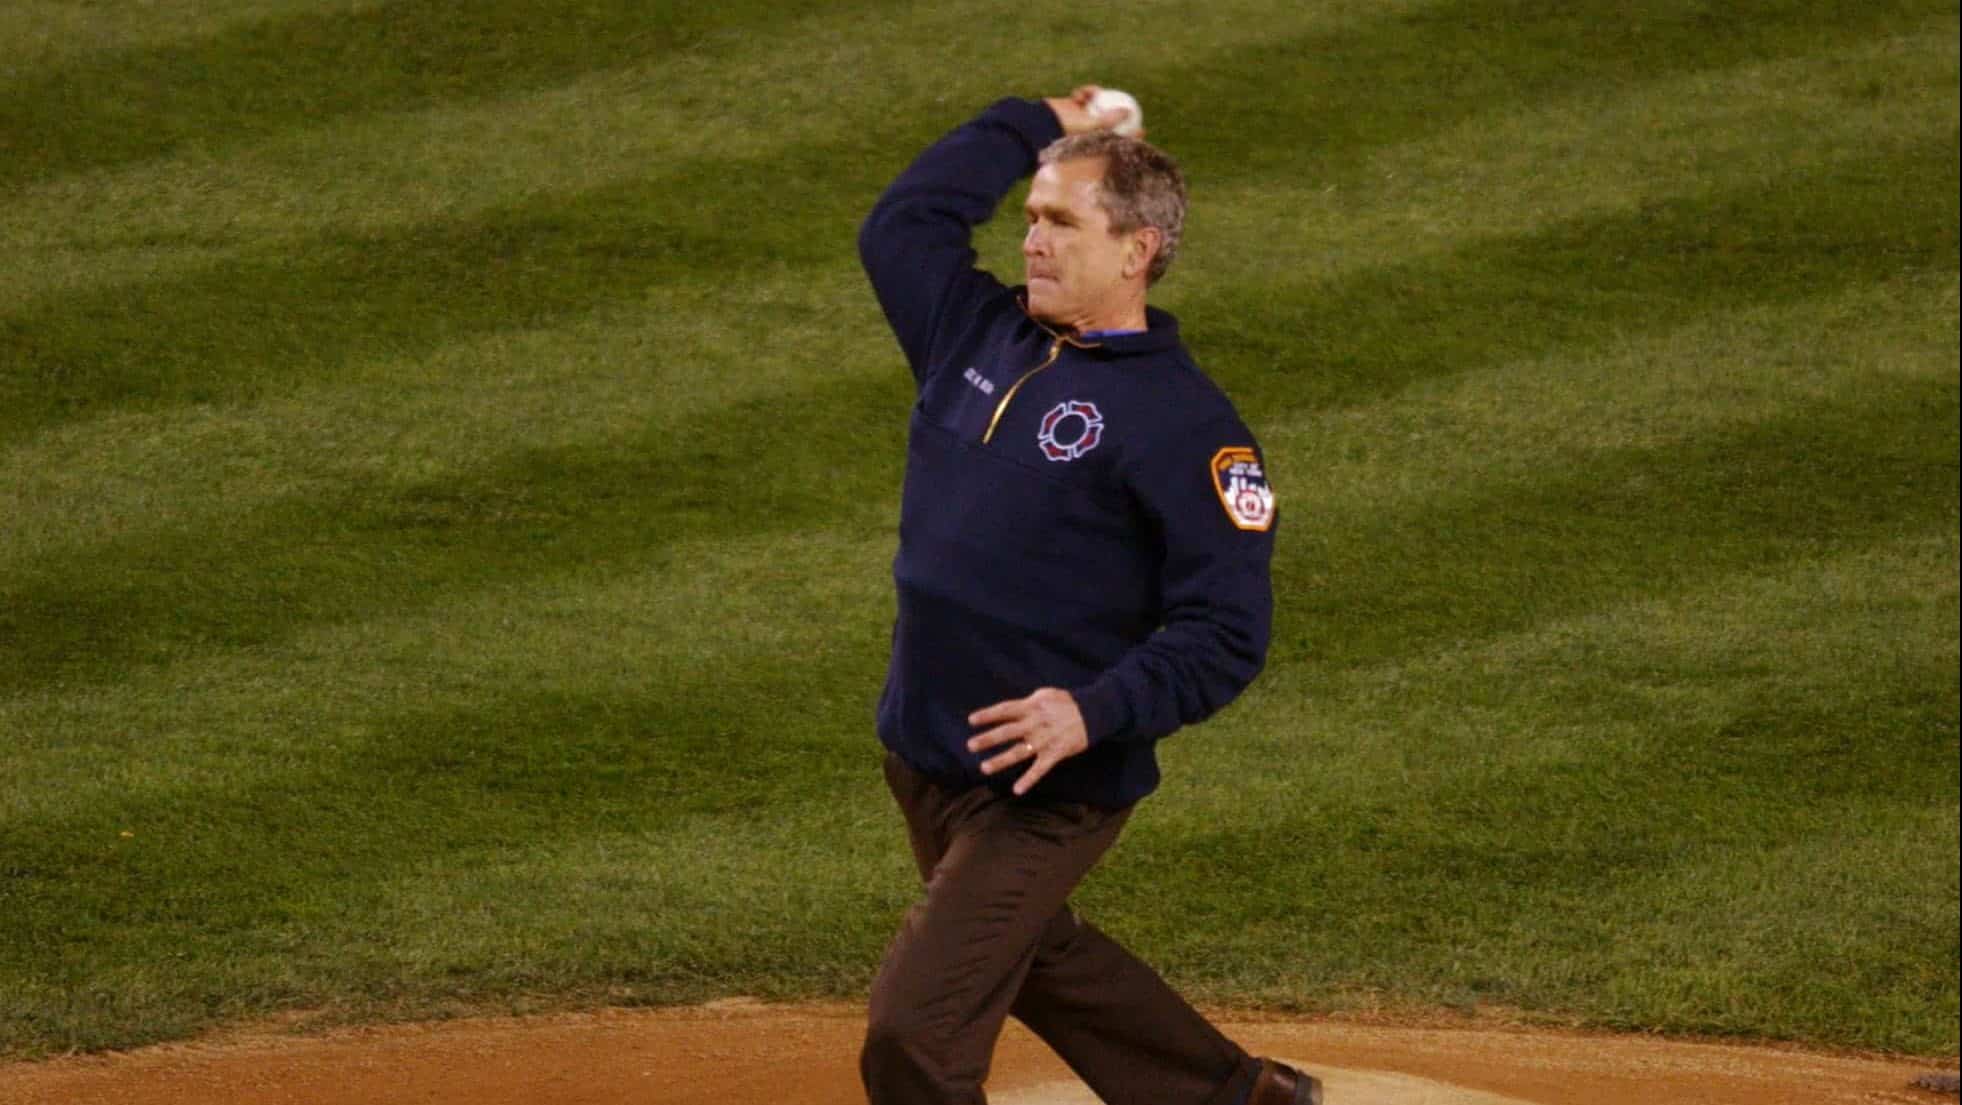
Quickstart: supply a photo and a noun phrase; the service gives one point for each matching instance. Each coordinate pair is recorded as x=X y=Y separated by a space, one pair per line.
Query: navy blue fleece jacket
x=1089 y=514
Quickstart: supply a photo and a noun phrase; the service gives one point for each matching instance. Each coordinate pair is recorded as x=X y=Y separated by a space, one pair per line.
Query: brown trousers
x=995 y=937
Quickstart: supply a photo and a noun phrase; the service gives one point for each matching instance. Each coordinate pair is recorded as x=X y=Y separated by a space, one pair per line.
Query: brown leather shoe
x=1280 y=1084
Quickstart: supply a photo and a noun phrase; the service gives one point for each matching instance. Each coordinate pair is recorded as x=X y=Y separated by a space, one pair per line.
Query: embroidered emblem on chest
x=973 y=376
x=1070 y=429
x=1242 y=487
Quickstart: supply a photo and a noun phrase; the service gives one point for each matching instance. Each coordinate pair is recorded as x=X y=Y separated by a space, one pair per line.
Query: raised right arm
x=916 y=245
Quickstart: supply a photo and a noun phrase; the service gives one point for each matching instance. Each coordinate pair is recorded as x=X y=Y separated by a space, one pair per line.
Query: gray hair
x=1142 y=187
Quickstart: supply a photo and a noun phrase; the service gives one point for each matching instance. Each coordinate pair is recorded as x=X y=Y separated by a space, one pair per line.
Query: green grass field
x=449 y=468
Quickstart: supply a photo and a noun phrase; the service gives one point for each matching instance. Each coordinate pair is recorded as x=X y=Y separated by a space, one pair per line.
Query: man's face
x=1072 y=261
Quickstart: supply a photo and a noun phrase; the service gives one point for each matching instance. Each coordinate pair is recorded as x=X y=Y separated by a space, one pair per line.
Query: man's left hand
x=1041 y=730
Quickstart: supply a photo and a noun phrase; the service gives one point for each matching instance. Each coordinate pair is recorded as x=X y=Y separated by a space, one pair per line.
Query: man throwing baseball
x=1083 y=569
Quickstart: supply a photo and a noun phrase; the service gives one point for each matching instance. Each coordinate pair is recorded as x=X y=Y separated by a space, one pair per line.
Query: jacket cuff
x=1106 y=715
x=1031 y=119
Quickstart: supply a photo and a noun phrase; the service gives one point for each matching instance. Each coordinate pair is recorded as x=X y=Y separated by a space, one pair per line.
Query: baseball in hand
x=1108 y=100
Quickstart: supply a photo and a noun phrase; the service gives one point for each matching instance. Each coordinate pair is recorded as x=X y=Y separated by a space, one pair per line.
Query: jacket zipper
x=1055 y=351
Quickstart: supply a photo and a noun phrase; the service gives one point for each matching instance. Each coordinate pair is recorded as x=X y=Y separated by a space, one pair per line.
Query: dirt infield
x=740 y=1053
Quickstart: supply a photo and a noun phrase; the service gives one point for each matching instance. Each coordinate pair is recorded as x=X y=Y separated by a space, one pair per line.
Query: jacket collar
x=1160 y=334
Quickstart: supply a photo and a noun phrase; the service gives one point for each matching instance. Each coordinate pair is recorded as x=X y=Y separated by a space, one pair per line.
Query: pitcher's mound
x=1349 y=1087
x=749 y=1053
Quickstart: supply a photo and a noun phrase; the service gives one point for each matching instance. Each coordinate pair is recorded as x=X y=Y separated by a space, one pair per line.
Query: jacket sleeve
x=916 y=243
x=1207 y=495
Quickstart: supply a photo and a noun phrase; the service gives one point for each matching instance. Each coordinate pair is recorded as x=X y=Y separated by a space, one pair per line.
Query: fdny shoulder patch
x=1070 y=429
x=1242 y=487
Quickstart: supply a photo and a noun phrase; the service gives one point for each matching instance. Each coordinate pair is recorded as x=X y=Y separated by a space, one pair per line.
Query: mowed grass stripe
x=272 y=324
x=1810 y=913
x=659 y=942
x=673 y=752
x=1527 y=737
x=1499 y=496
x=1553 y=161
x=1841 y=473
x=1631 y=672
x=620 y=917
x=364 y=296
x=268 y=324
x=615 y=376
x=1579 y=284
x=507 y=793
x=662 y=630
x=1363 y=589
x=43 y=33
x=740 y=470
x=1526 y=417
x=1569 y=934
x=511 y=269
x=80 y=352
x=415 y=164
x=1343 y=495
x=92 y=479
x=1431 y=68
x=1358 y=77
x=384 y=172
x=1635 y=761
x=624 y=707
x=1373 y=335
x=248 y=82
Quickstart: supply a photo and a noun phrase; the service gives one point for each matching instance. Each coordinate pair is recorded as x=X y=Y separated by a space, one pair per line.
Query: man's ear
x=1143 y=246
